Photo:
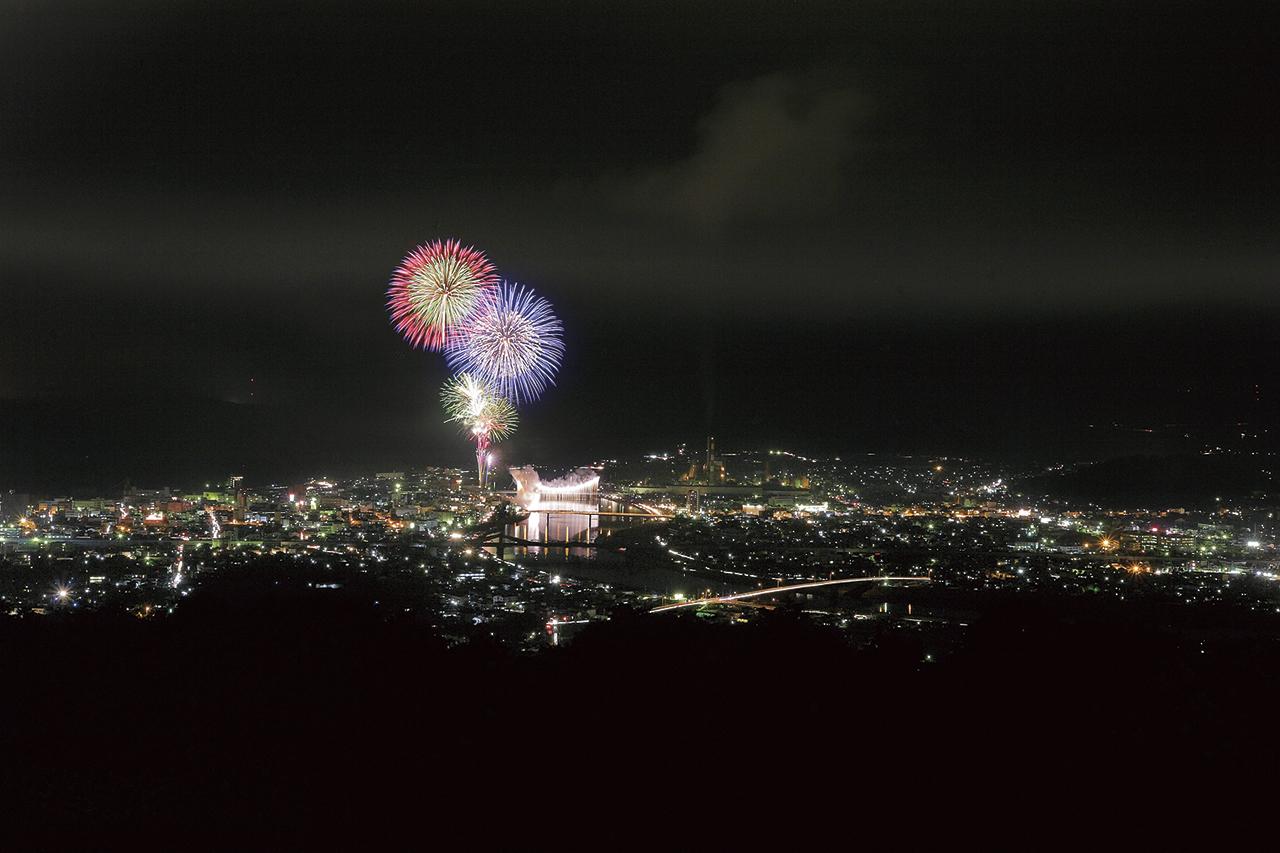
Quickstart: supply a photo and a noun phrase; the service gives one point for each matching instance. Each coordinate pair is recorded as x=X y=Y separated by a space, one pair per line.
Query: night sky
x=987 y=228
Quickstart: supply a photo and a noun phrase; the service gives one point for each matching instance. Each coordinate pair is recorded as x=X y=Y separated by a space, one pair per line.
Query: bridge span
x=728 y=599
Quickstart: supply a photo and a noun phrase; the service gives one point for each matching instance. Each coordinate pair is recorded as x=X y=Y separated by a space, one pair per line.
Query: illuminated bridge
x=795 y=587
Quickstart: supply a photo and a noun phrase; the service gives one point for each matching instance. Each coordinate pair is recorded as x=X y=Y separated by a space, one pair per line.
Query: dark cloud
x=776 y=148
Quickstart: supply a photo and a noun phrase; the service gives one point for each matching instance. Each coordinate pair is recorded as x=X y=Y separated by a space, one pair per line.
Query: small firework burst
x=486 y=415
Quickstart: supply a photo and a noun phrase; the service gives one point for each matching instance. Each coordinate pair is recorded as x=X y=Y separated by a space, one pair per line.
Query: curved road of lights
x=724 y=599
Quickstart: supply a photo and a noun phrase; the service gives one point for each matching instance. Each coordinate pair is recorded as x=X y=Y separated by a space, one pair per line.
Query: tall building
x=240 y=500
x=713 y=473
x=13 y=505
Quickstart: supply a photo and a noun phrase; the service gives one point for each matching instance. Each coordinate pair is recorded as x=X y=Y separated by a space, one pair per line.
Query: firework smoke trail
x=435 y=288
x=486 y=415
x=512 y=343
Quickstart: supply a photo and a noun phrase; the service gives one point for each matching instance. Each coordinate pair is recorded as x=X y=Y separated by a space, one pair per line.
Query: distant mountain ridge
x=1192 y=480
x=93 y=445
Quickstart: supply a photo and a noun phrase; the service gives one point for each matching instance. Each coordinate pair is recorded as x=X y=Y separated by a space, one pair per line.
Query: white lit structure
x=564 y=509
x=576 y=486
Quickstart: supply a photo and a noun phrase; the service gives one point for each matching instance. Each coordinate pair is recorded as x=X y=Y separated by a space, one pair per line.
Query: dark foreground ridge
x=271 y=711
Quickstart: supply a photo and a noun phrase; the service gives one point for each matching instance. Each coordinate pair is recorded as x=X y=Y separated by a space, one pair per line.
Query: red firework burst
x=435 y=288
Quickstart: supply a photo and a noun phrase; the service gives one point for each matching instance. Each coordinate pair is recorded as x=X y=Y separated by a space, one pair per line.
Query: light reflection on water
x=560 y=521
